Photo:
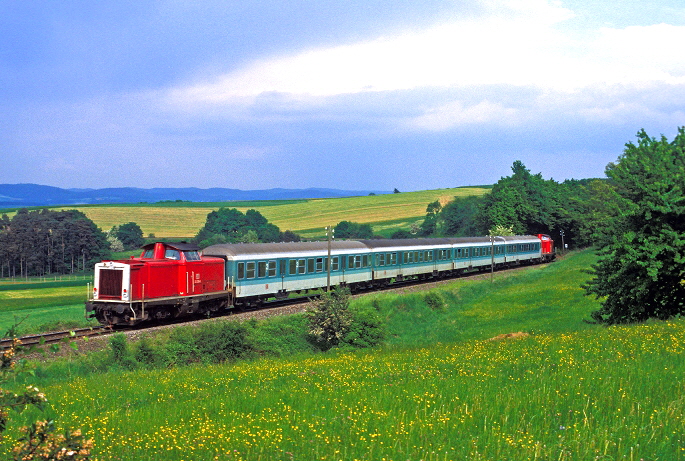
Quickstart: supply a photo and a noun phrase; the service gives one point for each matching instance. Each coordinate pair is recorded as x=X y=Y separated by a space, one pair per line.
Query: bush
x=210 y=343
x=120 y=352
x=367 y=328
x=329 y=318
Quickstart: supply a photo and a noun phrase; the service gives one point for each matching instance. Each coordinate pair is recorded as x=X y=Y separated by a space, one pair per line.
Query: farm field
x=307 y=217
x=43 y=306
x=440 y=390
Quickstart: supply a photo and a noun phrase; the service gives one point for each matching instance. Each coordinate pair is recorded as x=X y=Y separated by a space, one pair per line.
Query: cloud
x=454 y=114
x=504 y=46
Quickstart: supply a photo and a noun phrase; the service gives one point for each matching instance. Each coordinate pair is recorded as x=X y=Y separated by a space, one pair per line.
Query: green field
x=43 y=306
x=439 y=390
x=307 y=217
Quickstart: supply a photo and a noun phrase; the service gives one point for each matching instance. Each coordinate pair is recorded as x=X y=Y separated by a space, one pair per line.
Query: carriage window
x=393 y=258
x=272 y=268
x=293 y=266
x=241 y=271
x=250 y=272
x=335 y=263
x=365 y=261
x=262 y=269
x=310 y=266
x=301 y=266
x=192 y=256
x=319 y=264
x=172 y=254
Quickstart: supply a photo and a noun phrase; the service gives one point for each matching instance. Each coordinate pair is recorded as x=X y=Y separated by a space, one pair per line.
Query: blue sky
x=372 y=94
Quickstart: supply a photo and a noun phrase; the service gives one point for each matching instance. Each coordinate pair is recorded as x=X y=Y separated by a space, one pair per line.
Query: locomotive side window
x=250 y=270
x=170 y=253
x=192 y=256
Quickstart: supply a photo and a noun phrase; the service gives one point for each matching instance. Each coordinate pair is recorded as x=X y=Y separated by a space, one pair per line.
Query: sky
x=345 y=94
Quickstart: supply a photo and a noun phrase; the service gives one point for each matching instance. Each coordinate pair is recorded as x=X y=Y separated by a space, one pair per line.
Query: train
x=174 y=280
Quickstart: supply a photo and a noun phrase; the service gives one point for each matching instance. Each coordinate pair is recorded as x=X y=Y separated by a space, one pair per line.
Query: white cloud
x=454 y=114
x=518 y=46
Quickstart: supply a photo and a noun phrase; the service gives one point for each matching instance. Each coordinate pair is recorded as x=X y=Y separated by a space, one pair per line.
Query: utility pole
x=329 y=236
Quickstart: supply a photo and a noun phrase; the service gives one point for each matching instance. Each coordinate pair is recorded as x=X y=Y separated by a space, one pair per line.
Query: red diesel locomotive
x=167 y=280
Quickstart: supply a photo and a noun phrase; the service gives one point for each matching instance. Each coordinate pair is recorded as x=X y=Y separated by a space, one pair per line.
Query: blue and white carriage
x=258 y=271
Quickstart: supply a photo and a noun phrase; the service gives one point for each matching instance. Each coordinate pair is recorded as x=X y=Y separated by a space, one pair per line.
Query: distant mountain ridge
x=27 y=195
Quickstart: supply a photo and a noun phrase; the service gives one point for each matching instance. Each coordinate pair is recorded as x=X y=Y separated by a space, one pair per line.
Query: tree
x=524 y=201
x=641 y=268
x=429 y=226
x=131 y=235
x=353 y=230
x=231 y=225
x=460 y=217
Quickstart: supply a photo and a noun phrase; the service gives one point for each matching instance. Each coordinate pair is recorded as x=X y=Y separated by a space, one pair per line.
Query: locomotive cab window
x=170 y=253
x=192 y=256
x=149 y=254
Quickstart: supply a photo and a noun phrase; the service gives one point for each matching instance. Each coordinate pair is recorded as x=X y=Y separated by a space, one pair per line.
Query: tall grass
x=615 y=393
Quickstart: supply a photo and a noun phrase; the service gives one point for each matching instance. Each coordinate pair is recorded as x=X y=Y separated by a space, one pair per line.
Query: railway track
x=56 y=336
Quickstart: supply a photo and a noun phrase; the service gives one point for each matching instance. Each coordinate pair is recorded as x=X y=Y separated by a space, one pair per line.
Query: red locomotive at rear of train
x=167 y=280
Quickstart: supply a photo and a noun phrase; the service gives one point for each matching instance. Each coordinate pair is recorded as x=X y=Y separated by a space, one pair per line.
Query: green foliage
x=40 y=439
x=229 y=225
x=120 y=352
x=329 y=318
x=367 y=329
x=525 y=202
x=130 y=235
x=460 y=217
x=209 y=343
x=353 y=230
x=429 y=226
x=641 y=272
x=435 y=300
x=331 y=322
x=401 y=234
x=46 y=242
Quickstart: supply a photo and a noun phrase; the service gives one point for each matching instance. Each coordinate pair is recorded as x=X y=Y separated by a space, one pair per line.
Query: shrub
x=329 y=318
x=367 y=328
x=120 y=352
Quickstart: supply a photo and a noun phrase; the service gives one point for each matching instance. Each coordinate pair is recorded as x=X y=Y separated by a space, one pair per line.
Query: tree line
x=49 y=242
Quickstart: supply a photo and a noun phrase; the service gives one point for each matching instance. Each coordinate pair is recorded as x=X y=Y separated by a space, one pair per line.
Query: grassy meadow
x=441 y=389
x=306 y=217
x=43 y=306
